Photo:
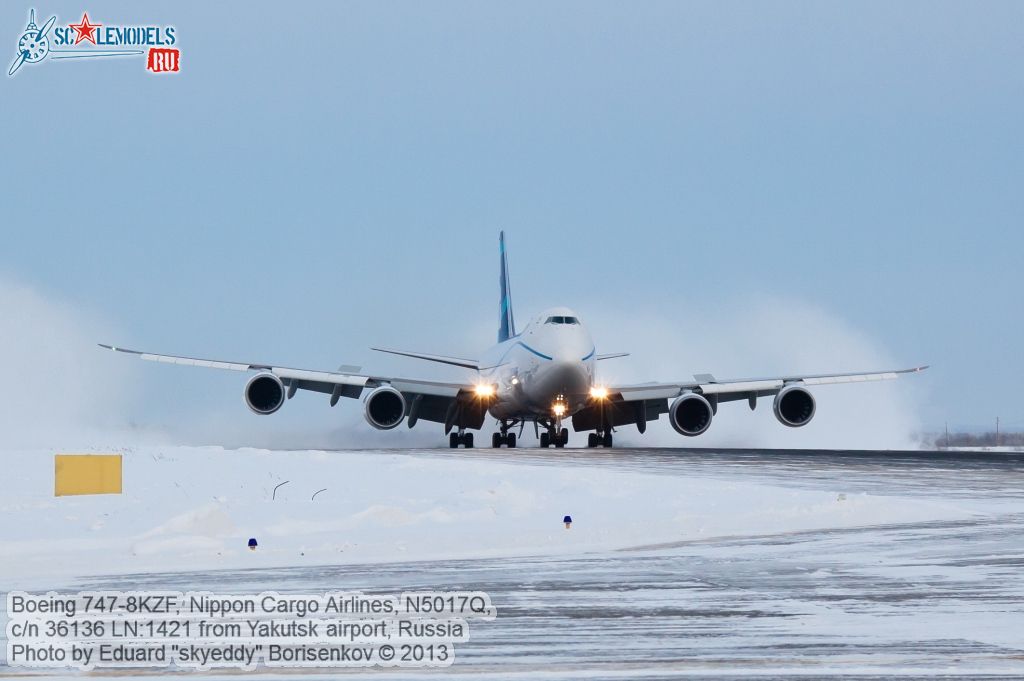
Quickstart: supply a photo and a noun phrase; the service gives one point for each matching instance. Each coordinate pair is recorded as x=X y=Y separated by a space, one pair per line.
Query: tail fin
x=507 y=326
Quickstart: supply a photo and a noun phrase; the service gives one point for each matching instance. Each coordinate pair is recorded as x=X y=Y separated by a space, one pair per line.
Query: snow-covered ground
x=195 y=508
x=676 y=563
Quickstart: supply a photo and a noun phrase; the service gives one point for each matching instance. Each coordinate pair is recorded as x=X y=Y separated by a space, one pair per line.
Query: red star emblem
x=85 y=30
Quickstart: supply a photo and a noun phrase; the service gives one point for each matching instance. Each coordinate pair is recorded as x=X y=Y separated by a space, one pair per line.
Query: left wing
x=644 y=402
x=741 y=388
x=453 y=404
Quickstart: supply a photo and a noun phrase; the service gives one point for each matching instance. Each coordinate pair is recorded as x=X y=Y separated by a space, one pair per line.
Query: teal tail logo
x=507 y=325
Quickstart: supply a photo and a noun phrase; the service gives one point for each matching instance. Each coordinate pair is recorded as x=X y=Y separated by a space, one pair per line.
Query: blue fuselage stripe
x=539 y=354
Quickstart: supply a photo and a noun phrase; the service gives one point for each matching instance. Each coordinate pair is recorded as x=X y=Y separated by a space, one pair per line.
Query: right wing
x=452 y=404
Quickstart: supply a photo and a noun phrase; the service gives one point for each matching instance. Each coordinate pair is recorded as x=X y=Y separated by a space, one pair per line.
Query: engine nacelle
x=690 y=414
x=264 y=393
x=794 y=406
x=384 y=408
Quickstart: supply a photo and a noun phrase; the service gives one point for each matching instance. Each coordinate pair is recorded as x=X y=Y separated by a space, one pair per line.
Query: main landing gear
x=600 y=439
x=462 y=437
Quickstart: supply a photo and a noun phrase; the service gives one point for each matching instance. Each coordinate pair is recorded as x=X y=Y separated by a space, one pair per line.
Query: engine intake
x=794 y=406
x=385 y=408
x=690 y=414
x=264 y=393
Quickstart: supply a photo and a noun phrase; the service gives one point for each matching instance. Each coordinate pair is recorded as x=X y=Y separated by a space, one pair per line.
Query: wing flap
x=320 y=376
x=426 y=387
x=655 y=391
x=740 y=386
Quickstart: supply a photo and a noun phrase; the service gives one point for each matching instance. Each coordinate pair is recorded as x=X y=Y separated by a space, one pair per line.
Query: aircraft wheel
x=453 y=440
x=496 y=440
x=563 y=436
x=544 y=439
x=592 y=440
x=511 y=440
x=467 y=440
x=607 y=439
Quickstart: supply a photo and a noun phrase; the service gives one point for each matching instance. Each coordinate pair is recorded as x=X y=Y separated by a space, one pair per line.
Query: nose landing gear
x=504 y=437
x=555 y=435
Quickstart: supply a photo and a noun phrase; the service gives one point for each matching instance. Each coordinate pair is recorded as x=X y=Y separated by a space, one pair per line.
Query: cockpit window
x=562 y=320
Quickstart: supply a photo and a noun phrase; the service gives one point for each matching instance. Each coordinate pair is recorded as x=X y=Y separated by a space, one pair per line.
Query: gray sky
x=327 y=176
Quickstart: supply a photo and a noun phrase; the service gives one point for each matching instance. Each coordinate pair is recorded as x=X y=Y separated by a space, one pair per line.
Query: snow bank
x=195 y=508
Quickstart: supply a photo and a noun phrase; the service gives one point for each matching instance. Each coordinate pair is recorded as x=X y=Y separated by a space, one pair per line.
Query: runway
x=928 y=472
x=935 y=598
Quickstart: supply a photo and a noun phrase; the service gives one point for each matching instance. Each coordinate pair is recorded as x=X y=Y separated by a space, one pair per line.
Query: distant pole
x=997 y=431
x=947 y=434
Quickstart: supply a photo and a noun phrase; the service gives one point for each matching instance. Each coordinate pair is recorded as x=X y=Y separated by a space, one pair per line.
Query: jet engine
x=264 y=393
x=794 y=406
x=385 y=408
x=690 y=414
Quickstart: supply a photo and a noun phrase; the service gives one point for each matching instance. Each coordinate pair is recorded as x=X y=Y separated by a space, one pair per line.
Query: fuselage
x=546 y=368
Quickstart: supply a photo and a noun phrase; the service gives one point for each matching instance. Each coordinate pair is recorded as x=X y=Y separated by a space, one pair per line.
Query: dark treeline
x=993 y=439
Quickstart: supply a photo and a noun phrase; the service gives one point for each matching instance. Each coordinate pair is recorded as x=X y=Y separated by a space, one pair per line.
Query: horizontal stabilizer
x=454 y=361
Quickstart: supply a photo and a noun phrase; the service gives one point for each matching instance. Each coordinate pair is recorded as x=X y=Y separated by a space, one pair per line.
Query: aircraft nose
x=569 y=376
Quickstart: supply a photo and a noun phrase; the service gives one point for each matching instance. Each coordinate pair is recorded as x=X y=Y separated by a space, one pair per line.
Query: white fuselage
x=549 y=362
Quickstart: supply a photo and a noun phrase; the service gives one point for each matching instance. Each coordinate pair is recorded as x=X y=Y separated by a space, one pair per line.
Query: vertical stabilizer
x=507 y=325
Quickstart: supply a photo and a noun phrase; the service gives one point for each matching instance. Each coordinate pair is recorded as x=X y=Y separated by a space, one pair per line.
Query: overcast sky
x=323 y=177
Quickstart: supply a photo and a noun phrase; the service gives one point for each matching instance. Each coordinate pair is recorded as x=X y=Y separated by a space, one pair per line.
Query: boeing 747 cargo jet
x=544 y=374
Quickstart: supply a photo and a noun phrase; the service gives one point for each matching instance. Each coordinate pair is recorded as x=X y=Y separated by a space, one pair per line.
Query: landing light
x=599 y=393
x=559 y=409
x=484 y=390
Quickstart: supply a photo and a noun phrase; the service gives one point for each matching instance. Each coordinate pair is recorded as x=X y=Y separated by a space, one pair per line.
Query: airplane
x=544 y=374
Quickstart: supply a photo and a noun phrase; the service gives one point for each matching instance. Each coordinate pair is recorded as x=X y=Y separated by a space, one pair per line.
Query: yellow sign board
x=86 y=474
